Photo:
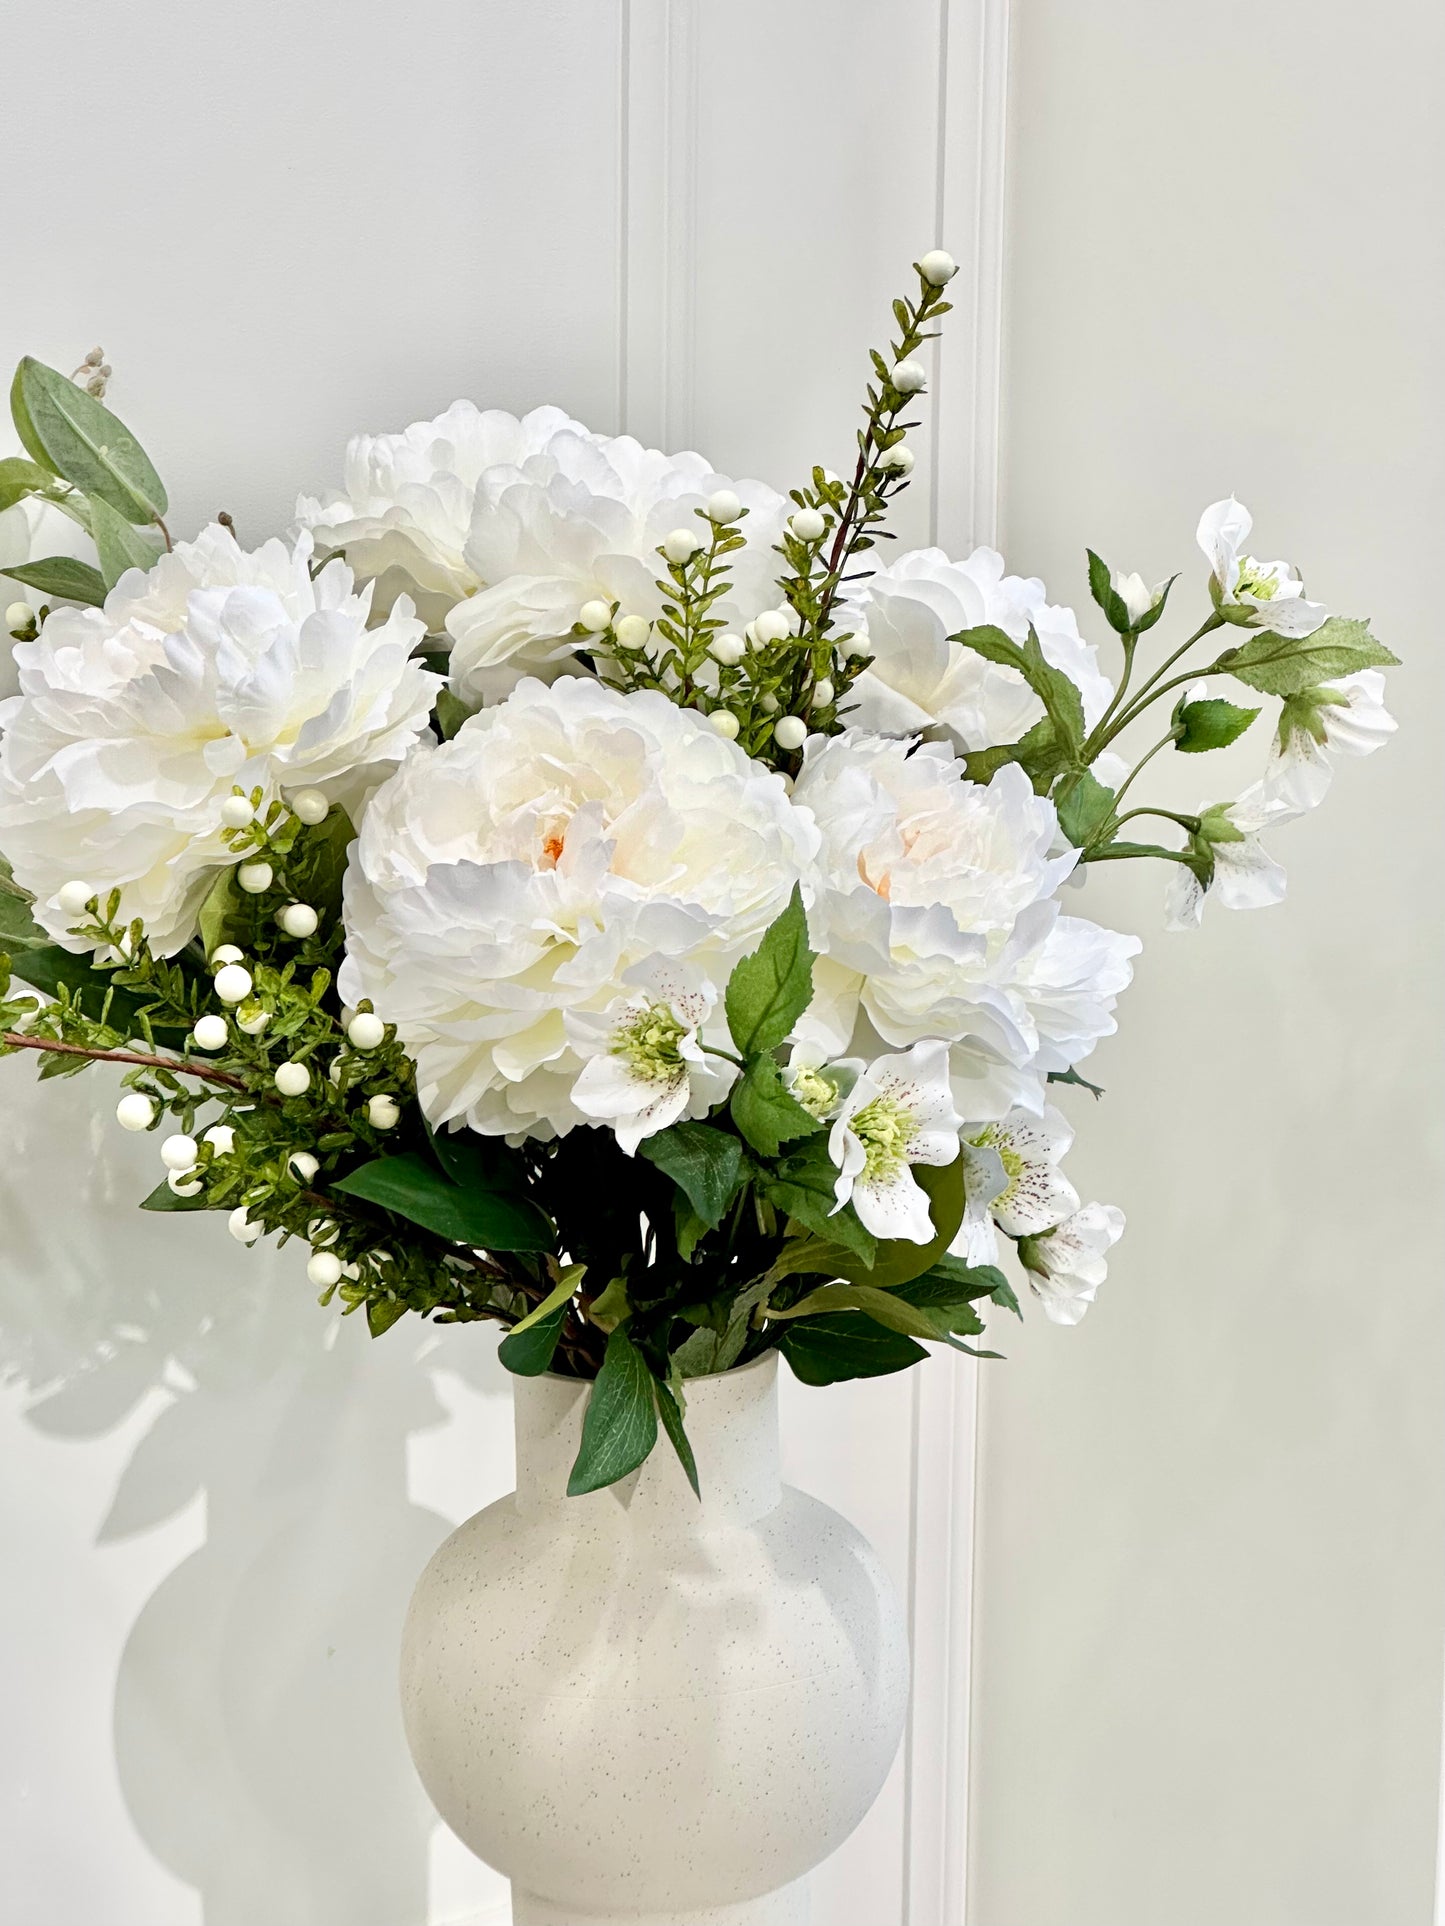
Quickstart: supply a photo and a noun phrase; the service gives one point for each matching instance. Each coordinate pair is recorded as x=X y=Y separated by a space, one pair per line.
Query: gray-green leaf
x=76 y=436
x=1285 y=664
x=63 y=576
x=118 y=544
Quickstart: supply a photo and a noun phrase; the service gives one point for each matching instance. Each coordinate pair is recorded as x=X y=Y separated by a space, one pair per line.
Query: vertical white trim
x=658 y=265
x=970 y=223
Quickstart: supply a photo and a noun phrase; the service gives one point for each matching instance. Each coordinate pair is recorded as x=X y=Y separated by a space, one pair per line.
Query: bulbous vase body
x=646 y=1709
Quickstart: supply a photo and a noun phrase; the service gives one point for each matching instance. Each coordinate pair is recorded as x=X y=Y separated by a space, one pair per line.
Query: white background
x=1207 y=1593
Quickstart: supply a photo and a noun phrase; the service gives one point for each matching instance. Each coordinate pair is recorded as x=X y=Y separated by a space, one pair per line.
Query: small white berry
x=808 y=525
x=823 y=693
x=769 y=704
x=320 y=1232
x=210 y=1033
x=728 y=649
x=310 y=806
x=772 y=626
x=302 y=1166
x=241 y=1227
x=336 y=1072
x=595 y=616
x=937 y=268
x=830 y=478
x=233 y=983
x=184 y=1184
x=292 y=1079
x=324 y=1269
x=179 y=1152
x=255 y=878
x=725 y=724
x=908 y=377
x=221 y=1138
x=632 y=631
x=135 y=1111
x=236 y=812
x=898 y=459
x=681 y=545
x=19 y=617
x=383 y=1113
x=724 y=506
x=790 y=732
x=255 y=1023
x=299 y=919
x=74 y=897
x=225 y=953
x=366 y=1031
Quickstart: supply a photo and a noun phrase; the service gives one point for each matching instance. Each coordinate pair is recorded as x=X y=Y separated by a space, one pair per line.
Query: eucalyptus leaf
x=619 y=1427
x=19 y=478
x=411 y=1187
x=69 y=431
x=63 y=576
x=118 y=544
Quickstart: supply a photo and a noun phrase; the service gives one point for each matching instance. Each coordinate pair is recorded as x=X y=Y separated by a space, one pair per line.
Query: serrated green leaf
x=1085 y=807
x=1060 y=697
x=77 y=436
x=1116 y=614
x=1287 y=664
x=411 y=1187
x=619 y=1427
x=835 y=1348
x=766 y=1111
x=804 y=1185
x=61 y=575
x=1210 y=724
x=769 y=990
x=1037 y=752
x=118 y=544
x=705 y=1163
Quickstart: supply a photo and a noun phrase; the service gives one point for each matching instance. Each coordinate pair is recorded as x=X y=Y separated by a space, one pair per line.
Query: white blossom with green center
x=644 y=1065
x=898 y=1113
x=818 y=1084
x=1267 y=595
x=1013 y=1183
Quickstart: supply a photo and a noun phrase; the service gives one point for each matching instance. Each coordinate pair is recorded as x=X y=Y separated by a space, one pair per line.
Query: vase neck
x=732 y=1425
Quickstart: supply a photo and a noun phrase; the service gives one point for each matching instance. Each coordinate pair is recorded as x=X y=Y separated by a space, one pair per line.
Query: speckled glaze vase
x=644 y=1710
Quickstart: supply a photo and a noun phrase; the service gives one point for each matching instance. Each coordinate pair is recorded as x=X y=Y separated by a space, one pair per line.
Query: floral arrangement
x=569 y=888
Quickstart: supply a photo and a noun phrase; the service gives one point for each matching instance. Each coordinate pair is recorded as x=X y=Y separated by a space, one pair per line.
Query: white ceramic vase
x=646 y=1710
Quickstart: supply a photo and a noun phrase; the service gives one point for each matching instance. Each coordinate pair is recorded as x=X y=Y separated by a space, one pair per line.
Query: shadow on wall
x=258 y=1739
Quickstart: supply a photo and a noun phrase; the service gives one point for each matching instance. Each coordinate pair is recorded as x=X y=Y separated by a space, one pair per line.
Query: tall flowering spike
x=217 y=670
x=898 y=1113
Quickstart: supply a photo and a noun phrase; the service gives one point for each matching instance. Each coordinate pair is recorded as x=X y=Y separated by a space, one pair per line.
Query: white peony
x=1347 y=717
x=580 y=522
x=1271 y=594
x=1067 y=1265
x=935 y=918
x=523 y=871
x=405 y=511
x=31 y=531
x=920 y=682
x=217 y=668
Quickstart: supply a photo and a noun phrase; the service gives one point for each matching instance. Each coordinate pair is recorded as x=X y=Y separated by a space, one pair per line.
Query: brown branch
x=180 y=1065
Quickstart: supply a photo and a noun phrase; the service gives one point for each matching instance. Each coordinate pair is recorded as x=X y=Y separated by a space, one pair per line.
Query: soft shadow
x=258 y=1738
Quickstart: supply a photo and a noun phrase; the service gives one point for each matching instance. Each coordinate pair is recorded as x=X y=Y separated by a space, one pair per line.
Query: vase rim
x=703 y=1377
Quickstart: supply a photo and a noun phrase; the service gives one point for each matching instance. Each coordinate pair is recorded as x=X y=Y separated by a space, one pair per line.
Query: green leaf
x=529 y=1353
x=452 y=712
x=63 y=576
x=612 y=1308
x=769 y=990
x=118 y=545
x=557 y=1299
x=670 y=1412
x=221 y=913
x=382 y=1313
x=1038 y=753
x=705 y=1164
x=1109 y=600
x=19 y=478
x=833 y=1349
x=1060 y=697
x=50 y=969
x=1210 y=724
x=1071 y=1075
x=805 y=1186
x=766 y=1111
x=412 y=1188
x=893 y=1312
x=709 y=1351
x=164 y=1198
x=1286 y=664
x=480 y=1163
x=18 y=929
x=620 y=1425
x=1085 y=807
x=78 y=437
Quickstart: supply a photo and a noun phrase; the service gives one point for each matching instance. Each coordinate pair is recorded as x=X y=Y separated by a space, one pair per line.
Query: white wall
x=1211 y=1535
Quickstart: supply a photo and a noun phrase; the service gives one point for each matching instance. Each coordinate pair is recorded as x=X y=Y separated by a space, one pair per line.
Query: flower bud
x=241 y=1227
x=179 y=1152
x=310 y=806
x=790 y=732
x=233 y=983
x=727 y=649
x=236 y=812
x=632 y=631
x=808 y=525
x=937 y=268
x=823 y=693
x=908 y=377
x=681 y=545
x=135 y=1111
x=302 y=1166
x=255 y=878
x=221 y=1138
x=292 y=1079
x=253 y=1022
x=366 y=1031
x=299 y=920
x=324 y=1269
x=74 y=898
x=20 y=619
x=898 y=459
x=724 y=506
x=184 y=1183
x=210 y=1033
x=226 y=953
x=383 y=1113
x=725 y=724
x=595 y=616
x=772 y=626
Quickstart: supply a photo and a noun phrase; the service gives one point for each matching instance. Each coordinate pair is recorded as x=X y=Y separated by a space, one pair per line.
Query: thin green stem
x=1127 y=783
x=1115 y=720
